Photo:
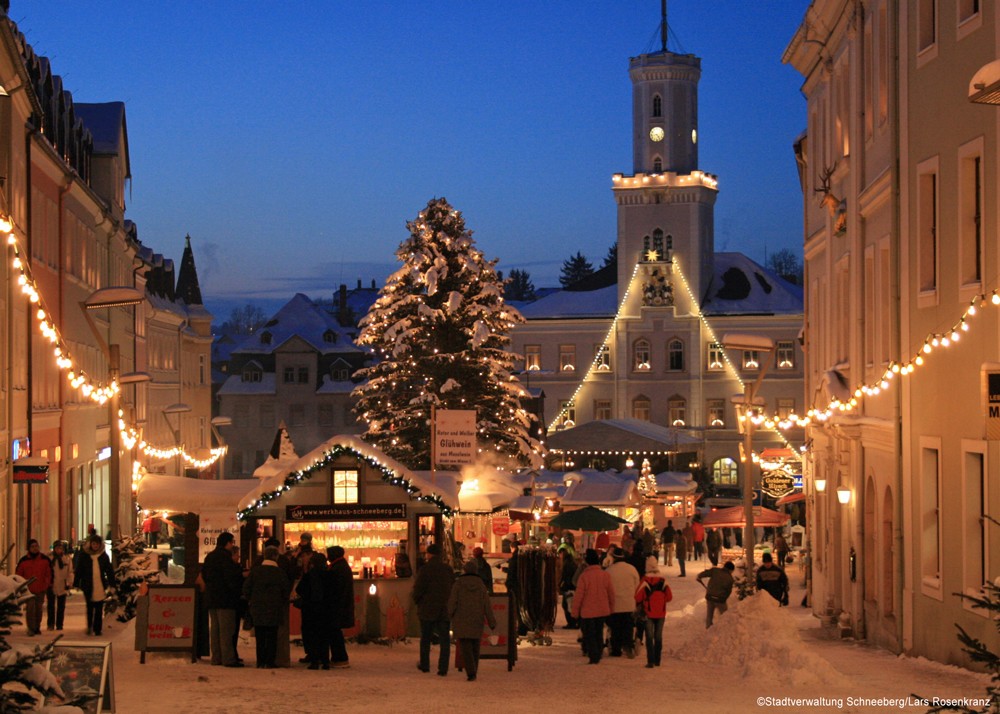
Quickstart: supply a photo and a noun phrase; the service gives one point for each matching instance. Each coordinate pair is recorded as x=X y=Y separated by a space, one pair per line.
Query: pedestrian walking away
x=468 y=607
x=35 y=566
x=266 y=591
x=223 y=580
x=653 y=594
x=431 y=590
x=593 y=602
x=718 y=590
x=624 y=581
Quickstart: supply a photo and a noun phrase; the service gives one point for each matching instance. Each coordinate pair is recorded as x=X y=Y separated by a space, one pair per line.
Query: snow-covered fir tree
x=440 y=332
x=135 y=567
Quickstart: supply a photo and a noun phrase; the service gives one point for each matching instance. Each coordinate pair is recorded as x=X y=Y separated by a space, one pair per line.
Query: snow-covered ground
x=754 y=652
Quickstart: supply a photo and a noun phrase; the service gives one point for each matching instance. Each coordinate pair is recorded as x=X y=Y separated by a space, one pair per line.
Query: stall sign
x=455 y=437
x=31 y=469
x=501 y=526
x=83 y=669
x=165 y=620
x=210 y=527
x=500 y=642
x=347 y=512
x=777 y=483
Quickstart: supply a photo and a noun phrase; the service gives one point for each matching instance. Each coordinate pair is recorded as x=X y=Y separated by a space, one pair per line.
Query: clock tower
x=666 y=207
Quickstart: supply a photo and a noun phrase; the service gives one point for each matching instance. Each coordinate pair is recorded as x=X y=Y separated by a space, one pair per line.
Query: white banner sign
x=455 y=436
x=210 y=526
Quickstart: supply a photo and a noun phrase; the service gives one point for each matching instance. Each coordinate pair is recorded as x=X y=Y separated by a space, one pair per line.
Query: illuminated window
x=785 y=407
x=725 y=472
x=567 y=358
x=603 y=361
x=602 y=409
x=658 y=244
x=675 y=355
x=677 y=411
x=640 y=356
x=532 y=358
x=751 y=359
x=716 y=410
x=567 y=413
x=715 y=357
x=345 y=486
x=785 y=354
x=641 y=407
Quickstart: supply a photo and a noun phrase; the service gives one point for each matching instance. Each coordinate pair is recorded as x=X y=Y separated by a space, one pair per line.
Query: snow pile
x=756 y=638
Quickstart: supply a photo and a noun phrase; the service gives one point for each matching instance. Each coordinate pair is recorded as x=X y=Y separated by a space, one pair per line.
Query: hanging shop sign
x=455 y=436
x=777 y=483
x=501 y=526
x=31 y=469
x=993 y=406
x=347 y=512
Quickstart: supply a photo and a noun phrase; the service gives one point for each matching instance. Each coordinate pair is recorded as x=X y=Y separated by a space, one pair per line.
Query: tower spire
x=663 y=25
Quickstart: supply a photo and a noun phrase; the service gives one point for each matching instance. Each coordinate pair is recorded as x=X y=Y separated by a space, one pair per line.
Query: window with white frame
x=567 y=358
x=532 y=358
x=252 y=373
x=974 y=522
x=970 y=228
x=784 y=354
x=785 y=407
x=675 y=355
x=716 y=409
x=716 y=357
x=930 y=513
x=567 y=413
x=927 y=227
x=751 y=360
x=603 y=361
x=640 y=356
x=677 y=411
x=926 y=24
x=641 y=408
x=602 y=409
x=288 y=375
x=345 y=486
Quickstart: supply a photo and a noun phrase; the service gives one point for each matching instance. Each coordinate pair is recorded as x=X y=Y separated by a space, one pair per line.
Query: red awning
x=791 y=498
x=733 y=517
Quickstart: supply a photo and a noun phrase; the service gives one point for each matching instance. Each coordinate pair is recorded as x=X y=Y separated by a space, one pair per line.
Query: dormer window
x=252 y=373
x=265 y=338
x=340 y=371
x=330 y=337
x=657 y=105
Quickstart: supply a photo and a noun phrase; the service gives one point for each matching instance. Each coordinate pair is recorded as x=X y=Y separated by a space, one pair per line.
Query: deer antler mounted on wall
x=829 y=201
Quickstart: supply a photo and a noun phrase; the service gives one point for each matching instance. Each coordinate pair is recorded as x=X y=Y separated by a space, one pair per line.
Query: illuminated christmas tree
x=440 y=332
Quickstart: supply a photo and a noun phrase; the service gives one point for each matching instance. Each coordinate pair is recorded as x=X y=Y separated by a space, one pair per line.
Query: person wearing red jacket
x=698 y=536
x=593 y=601
x=653 y=594
x=35 y=564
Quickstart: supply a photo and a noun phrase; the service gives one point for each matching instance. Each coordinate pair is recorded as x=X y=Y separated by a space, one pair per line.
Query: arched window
x=668 y=247
x=657 y=165
x=640 y=356
x=725 y=472
x=658 y=244
x=677 y=411
x=675 y=355
x=869 y=563
x=646 y=245
x=888 y=551
x=641 y=407
x=657 y=105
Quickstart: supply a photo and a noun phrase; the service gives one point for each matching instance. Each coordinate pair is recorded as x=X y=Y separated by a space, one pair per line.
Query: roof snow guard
x=326 y=453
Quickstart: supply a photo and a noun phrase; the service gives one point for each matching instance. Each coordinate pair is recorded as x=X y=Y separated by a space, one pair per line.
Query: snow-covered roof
x=631 y=435
x=235 y=385
x=483 y=488
x=335 y=386
x=602 y=491
x=300 y=317
x=157 y=492
x=675 y=482
x=740 y=286
x=105 y=122
x=573 y=303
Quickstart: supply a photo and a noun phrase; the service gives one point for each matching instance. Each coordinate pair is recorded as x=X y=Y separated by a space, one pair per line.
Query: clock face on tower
x=656 y=133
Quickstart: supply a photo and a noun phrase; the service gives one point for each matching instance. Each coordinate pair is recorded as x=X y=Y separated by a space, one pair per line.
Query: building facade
x=643 y=340
x=899 y=177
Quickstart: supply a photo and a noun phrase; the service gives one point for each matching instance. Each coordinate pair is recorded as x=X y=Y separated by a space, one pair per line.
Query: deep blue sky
x=294 y=140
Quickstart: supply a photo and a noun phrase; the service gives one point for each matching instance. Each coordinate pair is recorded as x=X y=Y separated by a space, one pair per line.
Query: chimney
x=373 y=283
x=359 y=283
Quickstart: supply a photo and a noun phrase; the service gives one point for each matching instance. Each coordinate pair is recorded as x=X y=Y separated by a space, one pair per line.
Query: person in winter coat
x=35 y=564
x=310 y=593
x=713 y=542
x=780 y=549
x=718 y=590
x=62 y=581
x=468 y=606
x=653 y=594
x=338 y=599
x=698 y=537
x=431 y=590
x=567 y=587
x=667 y=541
x=688 y=532
x=593 y=602
x=624 y=581
x=483 y=568
x=680 y=550
x=266 y=590
x=223 y=584
x=772 y=579
x=94 y=576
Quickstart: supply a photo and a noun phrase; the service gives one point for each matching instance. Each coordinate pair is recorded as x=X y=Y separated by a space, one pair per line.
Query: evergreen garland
x=134 y=568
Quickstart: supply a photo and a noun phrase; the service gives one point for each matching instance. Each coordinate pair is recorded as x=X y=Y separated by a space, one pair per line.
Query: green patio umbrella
x=587 y=519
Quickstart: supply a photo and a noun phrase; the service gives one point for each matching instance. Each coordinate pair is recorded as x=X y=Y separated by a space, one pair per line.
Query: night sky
x=293 y=141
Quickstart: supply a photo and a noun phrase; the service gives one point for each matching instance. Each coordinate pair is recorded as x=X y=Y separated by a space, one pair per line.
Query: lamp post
x=98 y=300
x=751 y=343
x=215 y=423
x=178 y=408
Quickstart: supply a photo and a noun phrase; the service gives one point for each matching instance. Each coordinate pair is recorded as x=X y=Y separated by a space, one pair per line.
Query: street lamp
x=215 y=423
x=98 y=300
x=178 y=408
x=751 y=343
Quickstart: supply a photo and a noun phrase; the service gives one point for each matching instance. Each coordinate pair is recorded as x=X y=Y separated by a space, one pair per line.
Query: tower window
x=657 y=105
x=658 y=244
x=657 y=165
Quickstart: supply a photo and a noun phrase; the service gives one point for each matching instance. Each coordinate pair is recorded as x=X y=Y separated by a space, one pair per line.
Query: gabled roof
x=299 y=317
x=740 y=286
x=106 y=122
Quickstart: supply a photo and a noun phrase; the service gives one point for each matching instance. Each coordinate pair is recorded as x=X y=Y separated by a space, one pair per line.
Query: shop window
x=345 y=486
x=725 y=472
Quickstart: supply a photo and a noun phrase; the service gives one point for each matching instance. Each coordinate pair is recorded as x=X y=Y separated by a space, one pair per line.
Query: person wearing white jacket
x=62 y=581
x=624 y=580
